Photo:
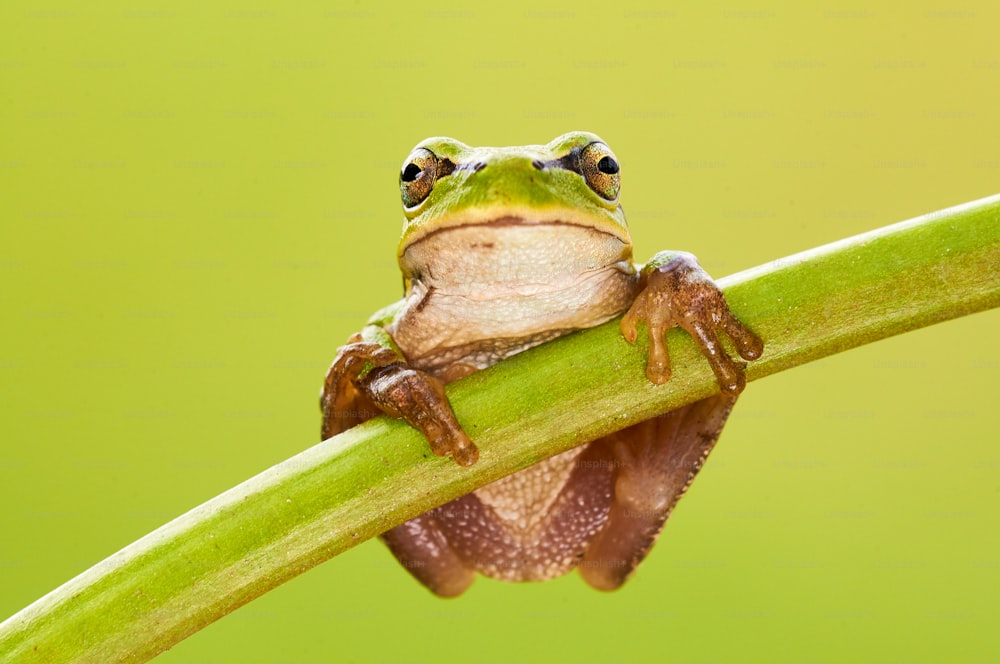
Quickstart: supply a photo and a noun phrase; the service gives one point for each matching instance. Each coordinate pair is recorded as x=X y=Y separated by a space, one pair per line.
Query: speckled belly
x=532 y=525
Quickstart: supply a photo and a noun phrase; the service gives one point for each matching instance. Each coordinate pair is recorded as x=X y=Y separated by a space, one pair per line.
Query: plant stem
x=237 y=546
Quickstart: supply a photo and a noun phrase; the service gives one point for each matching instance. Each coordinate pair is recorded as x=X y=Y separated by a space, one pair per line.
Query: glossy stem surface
x=237 y=546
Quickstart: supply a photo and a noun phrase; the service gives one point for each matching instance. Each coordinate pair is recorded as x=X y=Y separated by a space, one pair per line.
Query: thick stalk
x=237 y=546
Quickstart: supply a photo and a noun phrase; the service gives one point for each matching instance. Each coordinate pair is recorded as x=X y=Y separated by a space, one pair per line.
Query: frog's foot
x=392 y=387
x=419 y=398
x=681 y=293
x=423 y=549
x=655 y=462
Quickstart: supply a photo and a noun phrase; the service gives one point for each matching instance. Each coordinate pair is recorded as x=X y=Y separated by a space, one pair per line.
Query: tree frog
x=503 y=249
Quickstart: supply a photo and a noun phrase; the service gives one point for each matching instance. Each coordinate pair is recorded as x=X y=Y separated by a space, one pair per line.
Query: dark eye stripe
x=446 y=167
x=569 y=162
x=474 y=166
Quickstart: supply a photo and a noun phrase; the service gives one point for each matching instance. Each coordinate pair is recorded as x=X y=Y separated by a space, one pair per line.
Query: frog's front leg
x=677 y=291
x=657 y=460
x=367 y=375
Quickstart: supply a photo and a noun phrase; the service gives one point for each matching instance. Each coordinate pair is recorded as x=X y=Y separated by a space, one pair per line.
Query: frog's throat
x=609 y=221
x=477 y=293
x=513 y=252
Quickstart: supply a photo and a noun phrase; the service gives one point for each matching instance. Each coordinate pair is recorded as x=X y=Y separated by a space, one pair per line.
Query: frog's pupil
x=411 y=172
x=607 y=165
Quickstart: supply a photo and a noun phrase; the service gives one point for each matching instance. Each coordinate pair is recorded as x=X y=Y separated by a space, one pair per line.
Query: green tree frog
x=503 y=249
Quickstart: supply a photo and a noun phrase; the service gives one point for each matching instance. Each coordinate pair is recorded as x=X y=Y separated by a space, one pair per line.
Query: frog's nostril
x=539 y=164
x=479 y=166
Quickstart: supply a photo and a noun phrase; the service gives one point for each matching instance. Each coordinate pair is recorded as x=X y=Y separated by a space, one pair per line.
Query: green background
x=198 y=204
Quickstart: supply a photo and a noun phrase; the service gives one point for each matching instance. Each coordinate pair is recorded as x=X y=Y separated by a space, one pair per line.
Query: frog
x=503 y=249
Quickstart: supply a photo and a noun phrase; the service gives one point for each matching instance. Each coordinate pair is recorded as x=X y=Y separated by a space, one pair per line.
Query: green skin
x=510 y=183
x=503 y=249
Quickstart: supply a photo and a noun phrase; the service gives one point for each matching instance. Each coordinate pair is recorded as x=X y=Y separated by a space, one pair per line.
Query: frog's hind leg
x=655 y=463
x=421 y=547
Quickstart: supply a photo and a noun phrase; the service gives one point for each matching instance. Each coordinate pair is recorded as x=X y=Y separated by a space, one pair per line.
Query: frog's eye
x=601 y=171
x=417 y=177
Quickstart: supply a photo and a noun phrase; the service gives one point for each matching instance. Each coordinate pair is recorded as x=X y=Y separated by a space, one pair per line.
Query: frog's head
x=573 y=180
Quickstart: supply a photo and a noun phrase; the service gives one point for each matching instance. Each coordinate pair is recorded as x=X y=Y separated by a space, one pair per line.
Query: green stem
x=237 y=546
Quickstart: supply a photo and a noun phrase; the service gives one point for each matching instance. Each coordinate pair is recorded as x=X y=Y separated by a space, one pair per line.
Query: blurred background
x=198 y=204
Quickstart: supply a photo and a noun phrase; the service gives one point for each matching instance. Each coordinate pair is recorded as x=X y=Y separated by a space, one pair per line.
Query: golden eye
x=601 y=170
x=418 y=176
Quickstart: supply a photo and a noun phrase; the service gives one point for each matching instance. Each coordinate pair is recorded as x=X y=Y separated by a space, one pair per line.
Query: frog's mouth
x=514 y=253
